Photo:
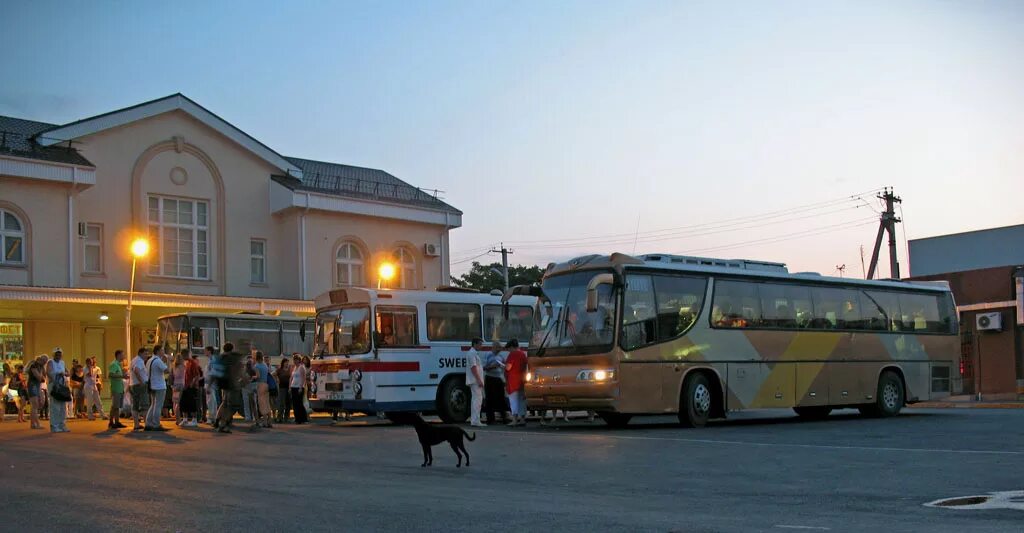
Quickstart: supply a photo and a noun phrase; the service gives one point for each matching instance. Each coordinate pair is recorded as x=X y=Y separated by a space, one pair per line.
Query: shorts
x=116 y=400
x=33 y=390
x=140 y=398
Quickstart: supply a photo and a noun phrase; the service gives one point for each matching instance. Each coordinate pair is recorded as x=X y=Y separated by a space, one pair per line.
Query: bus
x=698 y=337
x=272 y=335
x=389 y=352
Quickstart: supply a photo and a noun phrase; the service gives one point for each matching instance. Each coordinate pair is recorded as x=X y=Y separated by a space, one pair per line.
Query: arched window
x=406 y=265
x=12 y=239
x=348 y=266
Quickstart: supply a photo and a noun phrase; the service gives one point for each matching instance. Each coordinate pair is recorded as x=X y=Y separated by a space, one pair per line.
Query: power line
x=784 y=237
x=470 y=259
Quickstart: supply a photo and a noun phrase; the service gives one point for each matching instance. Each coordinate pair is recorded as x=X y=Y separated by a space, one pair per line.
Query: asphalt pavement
x=758 y=471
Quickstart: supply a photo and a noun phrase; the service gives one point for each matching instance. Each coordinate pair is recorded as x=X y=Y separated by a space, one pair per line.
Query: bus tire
x=615 y=420
x=889 y=397
x=695 y=401
x=813 y=412
x=453 y=398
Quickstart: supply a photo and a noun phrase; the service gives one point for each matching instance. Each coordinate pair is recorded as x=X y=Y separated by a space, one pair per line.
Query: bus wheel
x=888 y=398
x=695 y=402
x=453 y=402
x=813 y=412
x=615 y=420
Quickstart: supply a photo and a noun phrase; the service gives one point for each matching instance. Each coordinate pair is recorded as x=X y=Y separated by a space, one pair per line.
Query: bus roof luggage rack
x=452 y=288
x=745 y=264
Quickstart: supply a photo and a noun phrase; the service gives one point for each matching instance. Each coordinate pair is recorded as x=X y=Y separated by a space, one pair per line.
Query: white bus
x=401 y=351
x=272 y=335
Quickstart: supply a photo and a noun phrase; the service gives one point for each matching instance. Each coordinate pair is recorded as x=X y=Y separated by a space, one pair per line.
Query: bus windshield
x=343 y=331
x=172 y=332
x=563 y=324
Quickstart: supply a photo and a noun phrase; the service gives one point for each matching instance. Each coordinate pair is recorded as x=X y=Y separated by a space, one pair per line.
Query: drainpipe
x=72 y=233
x=445 y=279
x=302 y=249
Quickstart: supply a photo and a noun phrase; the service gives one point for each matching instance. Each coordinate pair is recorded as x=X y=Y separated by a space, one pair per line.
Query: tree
x=486 y=278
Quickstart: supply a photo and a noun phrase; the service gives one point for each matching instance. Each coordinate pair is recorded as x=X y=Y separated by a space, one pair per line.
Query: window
x=679 y=302
x=881 y=311
x=297 y=337
x=92 y=262
x=180 y=230
x=257 y=261
x=406 y=265
x=453 y=322
x=940 y=378
x=345 y=331
x=928 y=313
x=12 y=238
x=348 y=266
x=262 y=335
x=518 y=325
x=396 y=326
x=785 y=306
x=205 y=332
x=736 y=305
x=639 y=315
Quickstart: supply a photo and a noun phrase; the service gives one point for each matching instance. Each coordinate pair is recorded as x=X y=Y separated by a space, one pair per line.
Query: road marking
x=770 y=444
x=1013 y=499
x=786 y=526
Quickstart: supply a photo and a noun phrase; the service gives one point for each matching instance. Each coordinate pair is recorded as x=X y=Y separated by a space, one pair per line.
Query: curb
x=966 y=405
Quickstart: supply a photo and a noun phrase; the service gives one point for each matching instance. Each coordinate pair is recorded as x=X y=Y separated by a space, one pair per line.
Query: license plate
x=556 y=400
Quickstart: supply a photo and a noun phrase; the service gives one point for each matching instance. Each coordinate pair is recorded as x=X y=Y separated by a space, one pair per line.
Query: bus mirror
x=504 y=310
x=377 y=339
x=526 y=290
x=302 y=331
x=595 y=282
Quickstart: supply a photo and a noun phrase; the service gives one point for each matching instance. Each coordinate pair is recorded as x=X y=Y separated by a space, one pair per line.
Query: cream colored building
x=233 y=225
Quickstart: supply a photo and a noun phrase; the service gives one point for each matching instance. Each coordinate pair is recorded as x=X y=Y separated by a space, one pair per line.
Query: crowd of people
x=50 y=391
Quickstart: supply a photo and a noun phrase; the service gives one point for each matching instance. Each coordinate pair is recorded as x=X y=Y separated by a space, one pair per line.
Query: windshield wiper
x=544 y=342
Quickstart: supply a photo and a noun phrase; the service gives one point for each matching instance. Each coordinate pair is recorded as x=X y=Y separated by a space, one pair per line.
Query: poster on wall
x=147 y=336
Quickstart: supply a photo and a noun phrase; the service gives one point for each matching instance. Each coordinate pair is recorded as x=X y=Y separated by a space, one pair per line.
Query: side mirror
x=595 y=282
x=525 y=290
x=377 y=340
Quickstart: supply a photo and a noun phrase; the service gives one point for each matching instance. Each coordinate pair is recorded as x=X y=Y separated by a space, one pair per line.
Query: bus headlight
x=529 y=377
x=596 y=376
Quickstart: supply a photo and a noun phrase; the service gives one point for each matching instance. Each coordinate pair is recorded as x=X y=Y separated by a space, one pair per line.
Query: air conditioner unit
x=83 y=230
x=431 y=250
x=989 y=321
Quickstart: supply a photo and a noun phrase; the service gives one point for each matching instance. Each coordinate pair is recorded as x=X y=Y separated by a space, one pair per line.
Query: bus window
x=397 y=326
x=785 y=306
x=736 y=305
x=453 y=322
x=881 y=311
x=519 y=324
x=679 y=303
x=247 y=335
x=292 y=341
x=172 y=332
x=205 y=332
x=923 y=313
x=639 y=315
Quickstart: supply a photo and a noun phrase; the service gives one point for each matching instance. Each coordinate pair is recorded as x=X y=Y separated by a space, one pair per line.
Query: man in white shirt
x=475 y=380
x=156 y=366
x=139 y=388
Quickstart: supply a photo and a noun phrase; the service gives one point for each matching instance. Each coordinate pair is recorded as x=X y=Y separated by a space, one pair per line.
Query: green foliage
x=486 y=278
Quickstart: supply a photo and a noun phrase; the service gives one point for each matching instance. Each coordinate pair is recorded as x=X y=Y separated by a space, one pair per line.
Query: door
x=92 y=346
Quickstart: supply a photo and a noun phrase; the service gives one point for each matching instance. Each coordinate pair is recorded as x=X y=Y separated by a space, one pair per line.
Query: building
x=985 y=270
x=233 y=226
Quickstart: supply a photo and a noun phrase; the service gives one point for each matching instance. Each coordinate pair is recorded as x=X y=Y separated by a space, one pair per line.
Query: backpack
x=271 y=382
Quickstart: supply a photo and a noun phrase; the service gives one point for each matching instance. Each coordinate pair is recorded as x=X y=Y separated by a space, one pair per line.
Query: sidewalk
x=969 y=402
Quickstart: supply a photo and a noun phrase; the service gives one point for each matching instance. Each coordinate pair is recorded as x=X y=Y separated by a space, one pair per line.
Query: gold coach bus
x=657 y=334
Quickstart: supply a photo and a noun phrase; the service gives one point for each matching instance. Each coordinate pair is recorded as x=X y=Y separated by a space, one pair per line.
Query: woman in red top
x=515 y=382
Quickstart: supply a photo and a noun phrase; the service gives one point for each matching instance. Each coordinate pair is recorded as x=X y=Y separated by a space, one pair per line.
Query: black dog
x=433 y=434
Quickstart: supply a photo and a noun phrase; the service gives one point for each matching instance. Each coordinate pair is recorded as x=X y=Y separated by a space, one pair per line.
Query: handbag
x=60 y=391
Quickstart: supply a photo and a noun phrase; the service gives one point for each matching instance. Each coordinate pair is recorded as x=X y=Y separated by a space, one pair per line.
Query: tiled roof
x=360 y=182
x=16 y=140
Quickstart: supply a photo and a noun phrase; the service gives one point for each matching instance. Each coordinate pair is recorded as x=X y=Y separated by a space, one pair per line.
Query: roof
x=971 y=250
x=176 y=101
x=16 y=139
x=359 y=182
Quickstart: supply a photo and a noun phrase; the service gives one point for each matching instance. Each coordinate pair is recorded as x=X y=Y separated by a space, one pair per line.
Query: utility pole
x=863 y=269
x=886 y=223
x=505 y=252
x=841 y=268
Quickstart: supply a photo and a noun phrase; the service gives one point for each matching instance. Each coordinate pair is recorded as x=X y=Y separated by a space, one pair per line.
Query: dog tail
x=469 y=437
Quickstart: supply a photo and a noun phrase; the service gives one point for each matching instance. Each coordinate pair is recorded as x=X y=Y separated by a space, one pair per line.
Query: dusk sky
x=563 y=128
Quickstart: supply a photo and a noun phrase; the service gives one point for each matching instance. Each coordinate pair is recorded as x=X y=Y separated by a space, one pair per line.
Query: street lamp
x=386 y=272
x=139 y=249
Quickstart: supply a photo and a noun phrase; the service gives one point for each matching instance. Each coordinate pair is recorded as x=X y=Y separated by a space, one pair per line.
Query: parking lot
x=759 y=471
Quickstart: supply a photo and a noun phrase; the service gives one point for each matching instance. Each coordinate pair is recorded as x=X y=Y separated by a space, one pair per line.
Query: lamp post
x=386 y=272
x=139 y=249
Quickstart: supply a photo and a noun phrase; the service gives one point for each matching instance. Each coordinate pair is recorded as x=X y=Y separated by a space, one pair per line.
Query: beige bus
x=698 y=337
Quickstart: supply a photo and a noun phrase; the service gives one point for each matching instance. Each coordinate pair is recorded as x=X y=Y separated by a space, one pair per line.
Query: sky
x=758 y=130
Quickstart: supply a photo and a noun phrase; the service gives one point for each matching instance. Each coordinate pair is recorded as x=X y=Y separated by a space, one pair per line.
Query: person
x=231 y=362
x=296 y=386
x=140 y=389
x=36 y=377
x=515 y=382
x=284 y=398
x=91 y=389
x=310 y=390
x=190 y=391
x=155 y=368
x=19 y=385
x=115 y=375
x=56 y=375
x=177 y=384
x=494 y=384
x=262 y=391
x=475 y=380
x=5 y=381
x=77 y=404
x=248 y=389
x=214 y=373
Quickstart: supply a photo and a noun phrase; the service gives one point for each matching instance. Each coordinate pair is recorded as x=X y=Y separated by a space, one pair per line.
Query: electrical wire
x=785 y=237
